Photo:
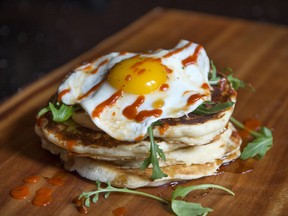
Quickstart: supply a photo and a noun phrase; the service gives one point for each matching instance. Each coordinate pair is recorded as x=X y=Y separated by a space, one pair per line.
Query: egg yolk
x=138 y=75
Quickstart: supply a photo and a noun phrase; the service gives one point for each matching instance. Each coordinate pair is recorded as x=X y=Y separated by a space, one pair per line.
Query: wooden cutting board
x=257 y=52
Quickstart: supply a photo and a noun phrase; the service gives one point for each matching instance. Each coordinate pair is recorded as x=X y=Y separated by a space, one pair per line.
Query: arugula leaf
x=60 y=112
x=183 y=208
x=209 y=107
x=260 y=145
x=205 y=108
x=236 y=83
x=153 y=159
x=94 y=195
x=183 y=191
x=42 y=112
x=213 y=79
x=179 y=207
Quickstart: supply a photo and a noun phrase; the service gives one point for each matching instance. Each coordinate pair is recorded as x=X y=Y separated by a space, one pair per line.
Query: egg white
x=183 y=82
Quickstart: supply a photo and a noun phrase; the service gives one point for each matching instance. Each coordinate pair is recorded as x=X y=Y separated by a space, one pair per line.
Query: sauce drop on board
x=238 y=166
x=20 y=192
x=57 y=179
x=79 y=203
x=119 y=211
x=252 y=124
x=42 y=197
x=32 y=179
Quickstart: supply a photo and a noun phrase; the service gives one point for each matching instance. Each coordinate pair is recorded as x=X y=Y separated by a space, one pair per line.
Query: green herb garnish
x=60 y=112
x=260 y=145
x=179 y=207
x=153 y=159
x=94 y=195
x=213 y=78
x=235 y=82
x=183 y=208
x=209 y=107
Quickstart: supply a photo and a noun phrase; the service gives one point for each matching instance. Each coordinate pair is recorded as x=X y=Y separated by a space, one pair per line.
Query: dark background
x=37 y=36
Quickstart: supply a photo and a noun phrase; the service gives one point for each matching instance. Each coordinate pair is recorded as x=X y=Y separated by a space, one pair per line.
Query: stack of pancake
x=195 y=145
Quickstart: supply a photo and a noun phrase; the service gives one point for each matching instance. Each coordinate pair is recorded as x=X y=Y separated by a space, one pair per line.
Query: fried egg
x=124 y=93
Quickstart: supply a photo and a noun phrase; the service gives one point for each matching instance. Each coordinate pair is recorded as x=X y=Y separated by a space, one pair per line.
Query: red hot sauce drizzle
x=123 y=53
x=109 y=102
x=141 y=71
x=142 y=115
x=94 y=88
x=131 y=111
x=177 y=50
x=62 y=93
x=101 y=64
x=168 y=70
x=164 y=87
x=193 y=58
x=194 y=98
x=205 y=86
x=141 y=137
x=136 y=69
x=128 y=77
x=163 y=128
x=39 y=121
x=70 y=144
x=87 y=68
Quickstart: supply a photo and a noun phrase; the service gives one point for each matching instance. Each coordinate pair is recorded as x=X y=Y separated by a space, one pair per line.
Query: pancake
x=80 y=140
x=134 y=177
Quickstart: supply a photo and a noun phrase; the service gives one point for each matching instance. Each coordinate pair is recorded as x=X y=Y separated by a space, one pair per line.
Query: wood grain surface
x=257 y=52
